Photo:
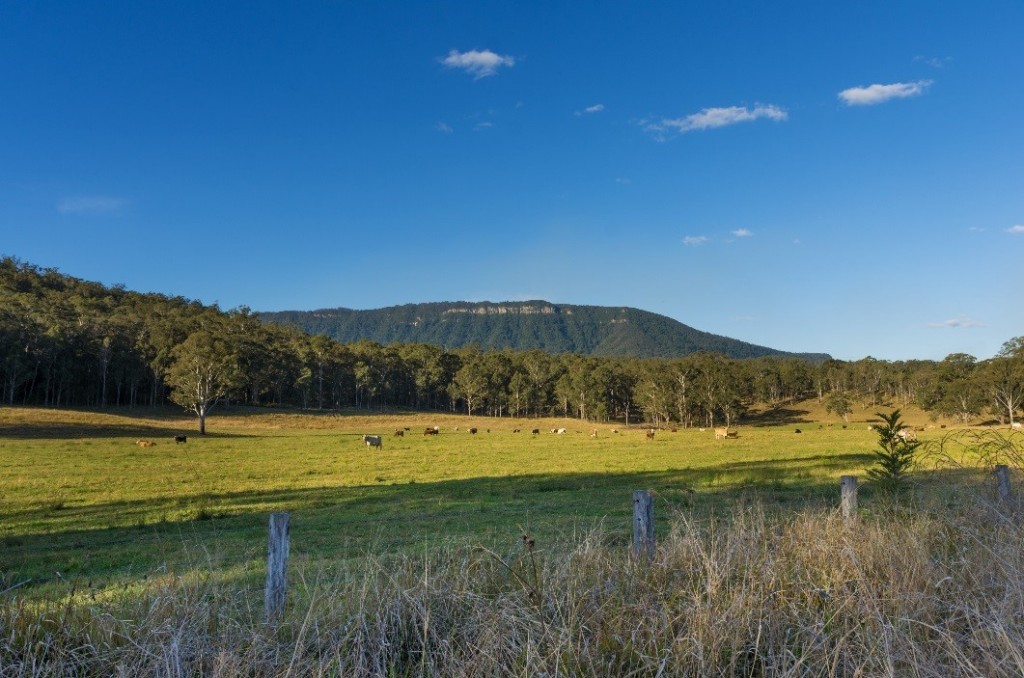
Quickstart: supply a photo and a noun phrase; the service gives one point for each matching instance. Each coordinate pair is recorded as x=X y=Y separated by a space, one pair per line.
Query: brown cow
x=399 y=433
x=650 y=434
x=145 y=443
x=431 y=431
x=721 y=433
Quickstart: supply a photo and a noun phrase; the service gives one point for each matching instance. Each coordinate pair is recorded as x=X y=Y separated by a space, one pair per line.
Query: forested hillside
x=584 y=330
x=68 y=342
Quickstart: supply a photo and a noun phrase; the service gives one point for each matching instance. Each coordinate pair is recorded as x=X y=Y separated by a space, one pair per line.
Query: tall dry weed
x=909 y=590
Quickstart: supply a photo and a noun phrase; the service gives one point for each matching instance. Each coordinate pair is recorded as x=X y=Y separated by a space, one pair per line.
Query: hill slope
x=587 y=330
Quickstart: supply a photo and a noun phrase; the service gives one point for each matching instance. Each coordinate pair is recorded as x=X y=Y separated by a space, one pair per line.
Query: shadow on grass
x=337 y=523
x=780 y=416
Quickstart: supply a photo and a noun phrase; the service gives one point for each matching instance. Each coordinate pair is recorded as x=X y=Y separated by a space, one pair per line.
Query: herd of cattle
x=378 y=440
x=721 y=433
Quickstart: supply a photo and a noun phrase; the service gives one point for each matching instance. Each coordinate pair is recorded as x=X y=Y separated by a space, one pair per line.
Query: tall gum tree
x=203 y=370
x=1005 y=377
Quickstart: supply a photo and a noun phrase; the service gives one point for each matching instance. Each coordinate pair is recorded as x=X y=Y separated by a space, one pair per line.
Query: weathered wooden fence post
x=848 y=500
x=1003 y=479
x=277 y=566
x=643 y=524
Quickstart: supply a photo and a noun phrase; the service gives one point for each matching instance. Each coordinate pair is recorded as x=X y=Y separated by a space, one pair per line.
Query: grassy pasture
x=79 y=500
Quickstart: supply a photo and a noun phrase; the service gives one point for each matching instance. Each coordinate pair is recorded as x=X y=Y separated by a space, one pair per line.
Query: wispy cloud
x=711 y=118
x=483 y=125
x=934 y=62
x=625 y=181
x=976 y=229
x=957 y=323
x=695 y=240
x=596 y=108
x=91 y=205
x=478 y=63
x=742 y=233
x=877 y=94
x=1016 y=230
x=443 y=127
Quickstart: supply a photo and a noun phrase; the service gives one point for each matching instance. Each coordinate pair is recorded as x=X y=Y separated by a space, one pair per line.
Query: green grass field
x=79 y=500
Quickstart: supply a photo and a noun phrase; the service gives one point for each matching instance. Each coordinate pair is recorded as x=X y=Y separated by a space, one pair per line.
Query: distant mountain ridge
x=612 y=331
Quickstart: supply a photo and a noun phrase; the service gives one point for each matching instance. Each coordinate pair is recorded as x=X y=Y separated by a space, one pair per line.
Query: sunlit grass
x=81 y=499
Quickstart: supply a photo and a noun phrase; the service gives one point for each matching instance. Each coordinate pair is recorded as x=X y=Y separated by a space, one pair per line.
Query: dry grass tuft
x=908 y=591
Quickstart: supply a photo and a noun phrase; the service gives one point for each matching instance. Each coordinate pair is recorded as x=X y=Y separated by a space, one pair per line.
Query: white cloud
x=479 y=64
x=710 y=118
x=443 y=127
x=877 y=94
x=934 y=62
x=957 y=323
x=94 y=204
x=596 y=108
x=625 y=181
x=976 y=229
x=695 y=240
x=743 y=233
x=1016 y=230
x=483 y=125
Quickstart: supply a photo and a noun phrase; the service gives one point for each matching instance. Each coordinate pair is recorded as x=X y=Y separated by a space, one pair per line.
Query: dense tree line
x=67 y=342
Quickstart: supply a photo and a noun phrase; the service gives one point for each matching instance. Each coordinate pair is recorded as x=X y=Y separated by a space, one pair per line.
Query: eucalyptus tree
x=203 y=370
x=543 y=372
x=952 y=388
x=1003 y=376
x=471 y=381
x=655 y=391
x=838 y=402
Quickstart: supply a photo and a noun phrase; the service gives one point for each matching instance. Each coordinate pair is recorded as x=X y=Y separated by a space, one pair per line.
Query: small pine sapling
x=896 y=456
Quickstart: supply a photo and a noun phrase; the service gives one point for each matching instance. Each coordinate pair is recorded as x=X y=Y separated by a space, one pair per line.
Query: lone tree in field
x=896 y=456
x=203 y=371
x=839 y=403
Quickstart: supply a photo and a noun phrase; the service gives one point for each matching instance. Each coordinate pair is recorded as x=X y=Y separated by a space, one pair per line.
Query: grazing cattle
x=372 y=441
x=473 y=431
x=431 y=431
x=908 y=435
x=798 y=431
x=515 y=430
x=615 y=430
x=535 y=431
x=144 y=443
x=675 y=430
x=399 y=433
x=702 y=430
x=650 y=434
x=593 y=433
x=721 y=433
x=1017 y=425
x=180 y=440
x=560 y=431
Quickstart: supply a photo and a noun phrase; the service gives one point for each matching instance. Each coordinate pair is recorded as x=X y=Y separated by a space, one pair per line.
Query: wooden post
x=848 y=501
x=1003 y=479
x=643 y=524
x=277 y=566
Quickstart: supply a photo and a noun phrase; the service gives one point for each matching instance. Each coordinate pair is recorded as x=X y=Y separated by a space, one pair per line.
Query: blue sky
x=798 y=175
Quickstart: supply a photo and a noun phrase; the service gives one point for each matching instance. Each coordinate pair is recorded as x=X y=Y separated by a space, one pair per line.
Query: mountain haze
x=554 y=328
